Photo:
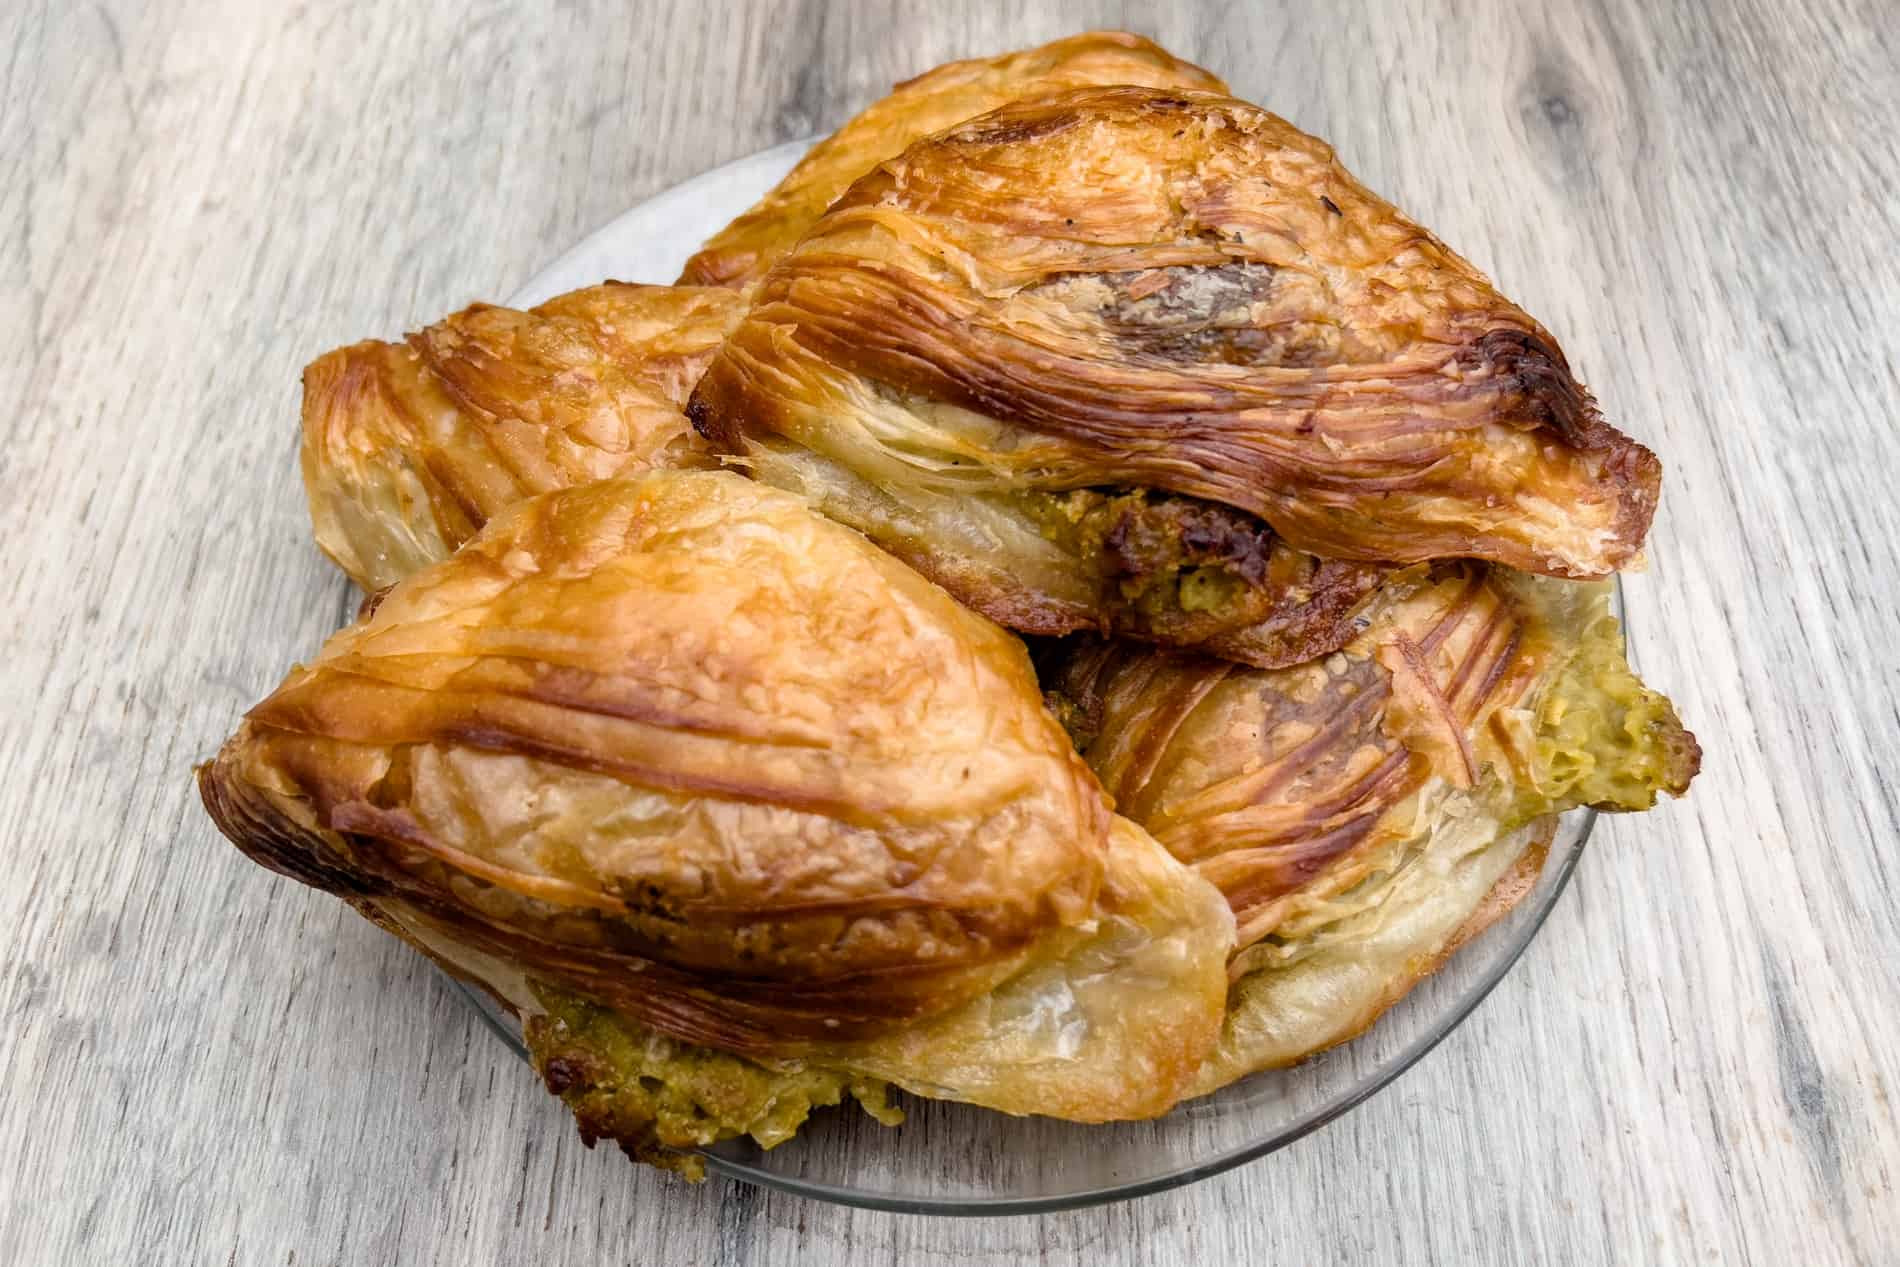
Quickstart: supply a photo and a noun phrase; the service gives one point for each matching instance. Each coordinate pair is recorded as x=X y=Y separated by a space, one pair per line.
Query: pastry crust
x=1367 y=812
x=688 y=750
x=739 y=814
x=1511 y=889
x=1280 y=1015
x=409 y=448
x=1286 y=788
x=742 y=252
x=1168 y=294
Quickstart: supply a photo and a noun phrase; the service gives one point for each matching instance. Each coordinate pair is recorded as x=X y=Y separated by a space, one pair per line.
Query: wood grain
x=1695 y=1062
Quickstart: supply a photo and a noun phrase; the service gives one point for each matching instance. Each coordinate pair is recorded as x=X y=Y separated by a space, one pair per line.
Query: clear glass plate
x=953 y=1159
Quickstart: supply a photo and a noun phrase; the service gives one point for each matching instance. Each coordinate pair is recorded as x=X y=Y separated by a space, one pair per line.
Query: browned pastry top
x=687 y=747
x=1474 y=698
x=937 y=99
x=1130 y=287
x=409 y=448
x=1264 y=781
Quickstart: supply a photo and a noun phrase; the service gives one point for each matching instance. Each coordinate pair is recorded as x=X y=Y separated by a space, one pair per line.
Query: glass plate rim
x=996 y=1207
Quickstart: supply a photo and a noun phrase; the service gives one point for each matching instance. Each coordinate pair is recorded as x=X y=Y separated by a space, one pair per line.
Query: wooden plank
x=206 y=1064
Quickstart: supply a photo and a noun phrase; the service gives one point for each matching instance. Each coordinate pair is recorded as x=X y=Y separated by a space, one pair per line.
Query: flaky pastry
x=409 y=448
x=1109 y=360
x=1358 y=810
x=681 y=749
x=741 y=815
x=741 y=252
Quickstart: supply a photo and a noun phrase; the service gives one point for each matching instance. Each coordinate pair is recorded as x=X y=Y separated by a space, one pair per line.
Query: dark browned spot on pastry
x=1161 y=103
x=1531 y=369
x=371 y=602
x=1188 y=295
x=1682 y=758
x=1318 y=606
x=717 y=430
x=1014 y=129
x=1528 y=373
x=1173 y=297
x=1197 y=314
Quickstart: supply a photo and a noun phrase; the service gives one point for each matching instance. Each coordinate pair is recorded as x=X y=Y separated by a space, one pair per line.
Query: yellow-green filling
x=1165 y=566
x=657 y=1097
x=1602 y=738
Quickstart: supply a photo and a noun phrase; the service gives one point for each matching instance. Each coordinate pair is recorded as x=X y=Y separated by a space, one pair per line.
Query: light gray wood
x=202 y=1063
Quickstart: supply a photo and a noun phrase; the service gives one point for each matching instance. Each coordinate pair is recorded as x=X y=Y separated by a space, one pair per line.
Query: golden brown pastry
x=742 y=251
x=1365 y=811
x=409 y=448
x=680 y=752
x=740 y=816
x=1109 y=360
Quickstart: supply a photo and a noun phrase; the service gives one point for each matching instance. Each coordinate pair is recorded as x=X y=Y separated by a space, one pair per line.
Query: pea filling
x=1172 y=568
x=657 y=1097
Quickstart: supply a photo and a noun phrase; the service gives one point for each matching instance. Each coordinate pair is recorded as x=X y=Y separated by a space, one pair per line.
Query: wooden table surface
x=1696 y=1061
